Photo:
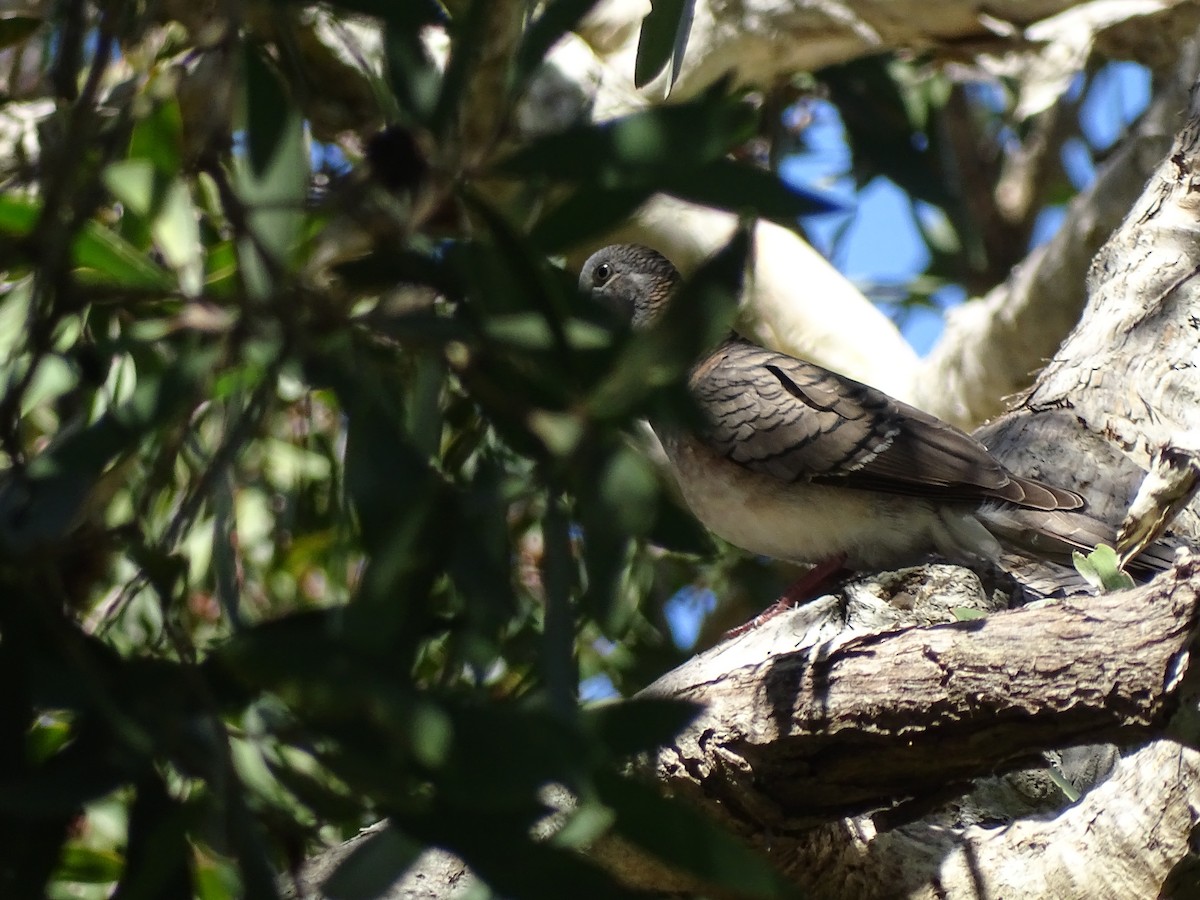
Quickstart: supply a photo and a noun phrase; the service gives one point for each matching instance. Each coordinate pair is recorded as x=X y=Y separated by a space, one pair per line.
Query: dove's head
x=633 y=280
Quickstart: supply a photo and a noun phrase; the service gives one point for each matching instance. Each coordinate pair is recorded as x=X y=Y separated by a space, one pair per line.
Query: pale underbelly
x=800 y=521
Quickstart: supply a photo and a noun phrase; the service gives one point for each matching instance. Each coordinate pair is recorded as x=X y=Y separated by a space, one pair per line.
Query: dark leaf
x=491 y=845
x=558 y=18
x=746 y=189
x=44 y=506
x=467 y=34
x=641 y=148
x=677 y=530
x=560 y=576
x=372 y=867
x=413 y=76
x=158 y=861
x=272 y=179
x=885 y=130
x=396 y=267
x=14 y=29
x=266 y=110
x=639 y=725
x=396 y=159
x=528 y=272
x=663 y=36
x=591 y=210
x=684 y=839
x=248 y=845
x=502 y=754
x=75 y=776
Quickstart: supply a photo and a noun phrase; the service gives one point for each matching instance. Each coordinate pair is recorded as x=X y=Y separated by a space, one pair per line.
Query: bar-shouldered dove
x=799 y=463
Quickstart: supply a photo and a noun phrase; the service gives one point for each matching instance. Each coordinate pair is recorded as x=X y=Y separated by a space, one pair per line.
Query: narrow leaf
x=372 y=867
x=659 y=38
x=558 y=18
x=741 y=188
x=591 y=210
x=638 y=148
x=266 y=110
x=14 y=29
x=683 y=838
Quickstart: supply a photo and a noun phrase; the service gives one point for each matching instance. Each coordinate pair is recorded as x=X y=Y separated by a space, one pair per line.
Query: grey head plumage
x=630 y=279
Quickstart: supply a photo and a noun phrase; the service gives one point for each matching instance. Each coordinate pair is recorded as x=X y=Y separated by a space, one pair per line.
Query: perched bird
x=799 y=463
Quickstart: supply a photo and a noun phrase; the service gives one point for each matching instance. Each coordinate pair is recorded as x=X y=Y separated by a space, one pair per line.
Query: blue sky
x=878 y=245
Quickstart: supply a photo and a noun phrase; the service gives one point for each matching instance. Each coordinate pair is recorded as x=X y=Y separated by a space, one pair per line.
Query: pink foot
x=803 y=589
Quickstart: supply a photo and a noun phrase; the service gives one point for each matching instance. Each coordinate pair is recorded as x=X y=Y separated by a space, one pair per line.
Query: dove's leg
x=807 y=587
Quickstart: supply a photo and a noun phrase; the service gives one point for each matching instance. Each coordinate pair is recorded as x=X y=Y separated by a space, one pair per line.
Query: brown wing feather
x=796 y=421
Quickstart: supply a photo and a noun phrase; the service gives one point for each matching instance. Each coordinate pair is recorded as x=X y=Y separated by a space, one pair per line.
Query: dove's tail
x=1038 y=545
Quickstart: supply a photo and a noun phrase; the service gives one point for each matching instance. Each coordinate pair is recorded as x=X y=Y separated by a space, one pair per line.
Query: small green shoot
x=1102 y=569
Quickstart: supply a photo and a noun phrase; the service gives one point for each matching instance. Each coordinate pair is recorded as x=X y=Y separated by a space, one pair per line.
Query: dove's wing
x=796 y=421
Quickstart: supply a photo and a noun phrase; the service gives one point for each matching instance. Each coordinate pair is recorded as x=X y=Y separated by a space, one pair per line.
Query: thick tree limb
x=964 y=379
x=829 y=708
x=798 y=730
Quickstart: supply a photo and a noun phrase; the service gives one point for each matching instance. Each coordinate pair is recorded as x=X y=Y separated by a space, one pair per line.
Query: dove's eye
x=603 y=272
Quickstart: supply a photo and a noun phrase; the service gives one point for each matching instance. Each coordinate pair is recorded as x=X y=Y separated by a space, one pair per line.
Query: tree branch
x=828 y=728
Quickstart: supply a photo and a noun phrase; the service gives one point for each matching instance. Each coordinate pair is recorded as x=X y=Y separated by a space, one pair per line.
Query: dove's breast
x=799 y=521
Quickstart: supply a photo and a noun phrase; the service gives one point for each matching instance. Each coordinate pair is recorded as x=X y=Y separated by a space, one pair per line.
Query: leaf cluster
x=320 y=490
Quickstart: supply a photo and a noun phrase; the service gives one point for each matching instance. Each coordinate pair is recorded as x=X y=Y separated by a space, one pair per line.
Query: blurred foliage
x=321 y=493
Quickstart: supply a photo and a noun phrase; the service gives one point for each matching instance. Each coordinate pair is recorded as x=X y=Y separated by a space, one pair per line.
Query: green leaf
x=557 y=19
x=1102 y=569
x=167 y=203
x=686 y=840
x=414 y=78
x=108 y=254
x=641 y=148
x=528 y=272
x=618 y=500
x=663 y=37
x=176 y=230
x=158 y=138
x=97 y=248
x=272 y=177
x=372 y=867
x=87 y=865
x=267 y=109
x=591 y=210
x=638 y=725
x=745 y=189
x=17 y=214
x=967 y=614
x=132 y=181
x=158 y=861
x=468 y=30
